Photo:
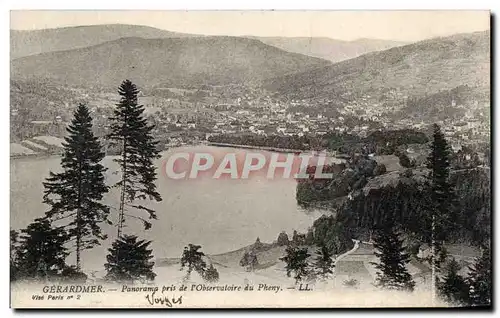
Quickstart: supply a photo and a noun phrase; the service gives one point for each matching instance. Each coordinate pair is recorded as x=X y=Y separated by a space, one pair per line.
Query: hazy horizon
x=405 y=26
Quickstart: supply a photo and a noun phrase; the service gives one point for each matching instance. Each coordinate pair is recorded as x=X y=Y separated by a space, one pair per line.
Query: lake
x=219 y=214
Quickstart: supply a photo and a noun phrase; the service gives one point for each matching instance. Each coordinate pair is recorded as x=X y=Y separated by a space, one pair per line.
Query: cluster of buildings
x=184 y=119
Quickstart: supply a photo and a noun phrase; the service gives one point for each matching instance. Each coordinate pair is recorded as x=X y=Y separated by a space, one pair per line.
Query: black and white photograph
x=250 y=159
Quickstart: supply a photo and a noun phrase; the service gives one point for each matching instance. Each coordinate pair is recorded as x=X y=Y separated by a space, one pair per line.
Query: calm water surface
x=220 y=215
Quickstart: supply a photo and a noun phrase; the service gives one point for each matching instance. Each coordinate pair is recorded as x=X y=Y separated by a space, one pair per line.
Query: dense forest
x=407 y=204
x=365 y=196
x=378 y=142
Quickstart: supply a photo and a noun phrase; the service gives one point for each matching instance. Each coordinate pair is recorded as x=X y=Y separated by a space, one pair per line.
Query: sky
x=342 y=25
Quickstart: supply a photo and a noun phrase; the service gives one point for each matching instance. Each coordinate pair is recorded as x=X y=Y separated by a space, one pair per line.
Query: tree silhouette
x=132 y=135
x=324 y=263
x=453 y=288
x=211 y=274
x=296 y=262
x=192 y=259
x=440 y=206
x=129 y=259
x=480 y=280
x=41 y=253
x=75 y=194
x=391 y=269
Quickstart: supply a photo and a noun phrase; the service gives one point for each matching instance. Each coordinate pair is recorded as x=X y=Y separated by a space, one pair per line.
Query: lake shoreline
x=45 y=155
x=232 y=214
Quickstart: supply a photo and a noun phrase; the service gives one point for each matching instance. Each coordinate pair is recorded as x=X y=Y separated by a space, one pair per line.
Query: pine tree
x=324 y=263
x=480 y=280
x=296 y=262
x=454 y=288
x=41 y=253
x=211 y=274
x=129 y=259
x=391 y=269
x=75 y=194
x=441 y=200
x=131 y=133
x=192 y=259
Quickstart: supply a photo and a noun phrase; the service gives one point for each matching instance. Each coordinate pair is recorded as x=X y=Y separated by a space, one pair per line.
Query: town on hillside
x=293 y=159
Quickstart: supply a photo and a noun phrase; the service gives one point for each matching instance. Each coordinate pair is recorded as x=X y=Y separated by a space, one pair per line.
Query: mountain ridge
x=31 y=42
x=419 y=68
x=330 y=49
x=149 y=62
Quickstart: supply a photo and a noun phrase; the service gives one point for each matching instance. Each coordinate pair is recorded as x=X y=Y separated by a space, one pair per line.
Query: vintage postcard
x=250 y=159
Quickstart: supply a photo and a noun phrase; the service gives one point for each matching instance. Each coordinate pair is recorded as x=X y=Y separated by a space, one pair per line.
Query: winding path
x=352 y=250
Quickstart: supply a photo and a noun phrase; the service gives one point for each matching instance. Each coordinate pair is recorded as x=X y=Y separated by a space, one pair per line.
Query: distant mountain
x=425 y=67
x=170 y=61
x=329 y=49
x=30 y=42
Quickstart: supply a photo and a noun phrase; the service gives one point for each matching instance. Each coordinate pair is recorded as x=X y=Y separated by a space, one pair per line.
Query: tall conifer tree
x=192 y=259
x=41 y=253
x=75 y=194
x=454 y=288
x=296 y=262
x=440 y=206
x=391 y=269
x=132 y=134
x=129 y=259
x=324 y=263
x=480 y=280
